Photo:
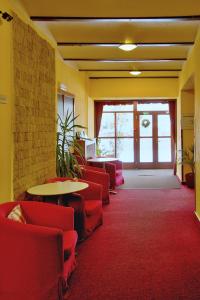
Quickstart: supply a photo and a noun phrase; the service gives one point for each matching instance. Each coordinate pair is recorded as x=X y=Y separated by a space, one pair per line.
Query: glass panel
x=153 y=107
x=68 y=106
x=146 y=150
x=145 y=125
x=164 y=150
x=107 y=125
x=106 y=147
x=121 y=107
x=124 y=124
x=164 y=125
x=60 y=106
x=125 y=150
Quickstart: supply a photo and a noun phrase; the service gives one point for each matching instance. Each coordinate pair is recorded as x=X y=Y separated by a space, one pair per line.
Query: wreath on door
x=145 y=123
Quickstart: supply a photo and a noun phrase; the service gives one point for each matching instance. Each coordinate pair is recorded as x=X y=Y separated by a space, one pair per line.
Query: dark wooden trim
x=136 y=77
x=129 y=70
x=127 y=59
x=156 y=44
x=182 y=165
x=155 y=136
x=119 y=19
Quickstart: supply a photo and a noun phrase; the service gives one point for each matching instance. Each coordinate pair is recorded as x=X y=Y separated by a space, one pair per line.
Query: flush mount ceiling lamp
x=135 y=73
x=127 y=47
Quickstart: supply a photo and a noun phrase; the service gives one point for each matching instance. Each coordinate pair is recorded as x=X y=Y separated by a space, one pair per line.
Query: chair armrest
x=34 y=252
x=119 y=165
x=49 y=215
x=111 y=170
x=93 y=191
x=97 y=177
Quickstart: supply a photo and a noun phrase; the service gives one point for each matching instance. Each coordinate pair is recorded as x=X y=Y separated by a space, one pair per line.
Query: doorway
x=139 y=133
x=154 y=143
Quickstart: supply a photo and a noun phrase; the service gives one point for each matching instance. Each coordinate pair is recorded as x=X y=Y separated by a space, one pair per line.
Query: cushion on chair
x=16 y=214
x=69 y=243
x=92 y=207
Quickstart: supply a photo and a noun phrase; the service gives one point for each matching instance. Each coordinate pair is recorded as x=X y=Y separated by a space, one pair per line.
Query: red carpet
x=147 y=249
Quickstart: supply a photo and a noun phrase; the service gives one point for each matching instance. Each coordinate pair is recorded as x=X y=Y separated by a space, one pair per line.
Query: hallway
x=148 y=249
x=150 y=179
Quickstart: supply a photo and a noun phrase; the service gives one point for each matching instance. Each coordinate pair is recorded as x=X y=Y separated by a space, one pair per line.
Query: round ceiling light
x=127 y=47
x=135 y=73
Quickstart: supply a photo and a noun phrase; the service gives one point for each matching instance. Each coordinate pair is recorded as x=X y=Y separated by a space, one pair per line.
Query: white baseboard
x=198 y=217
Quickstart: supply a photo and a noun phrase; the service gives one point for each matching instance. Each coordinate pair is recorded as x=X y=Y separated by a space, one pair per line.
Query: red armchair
x=87 y=205
x=98 y=175
x=36 y=258
x=114 y=169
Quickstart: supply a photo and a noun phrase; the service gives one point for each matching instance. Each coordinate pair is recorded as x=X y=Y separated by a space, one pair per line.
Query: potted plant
x=188 y=159
x=67 y=145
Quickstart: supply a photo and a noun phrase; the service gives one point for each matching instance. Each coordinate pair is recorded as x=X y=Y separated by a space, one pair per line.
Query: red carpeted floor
x=147 y=249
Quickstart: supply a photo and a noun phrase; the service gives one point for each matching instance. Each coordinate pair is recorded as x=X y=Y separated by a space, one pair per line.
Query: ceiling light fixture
x=127 y=47
x=135 y=73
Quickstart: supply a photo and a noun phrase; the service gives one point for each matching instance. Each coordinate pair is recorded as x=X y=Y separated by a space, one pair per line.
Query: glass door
x=154 y=140
x=138 y=133
x=146 y=154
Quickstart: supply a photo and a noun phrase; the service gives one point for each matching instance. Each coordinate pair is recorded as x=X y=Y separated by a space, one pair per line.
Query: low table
x=57 y=189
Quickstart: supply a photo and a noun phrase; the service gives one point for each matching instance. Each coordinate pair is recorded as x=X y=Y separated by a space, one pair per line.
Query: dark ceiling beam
x=127 y=59
x=128 y=77
x=167 y=44
x=117 y=19
x=128 y=70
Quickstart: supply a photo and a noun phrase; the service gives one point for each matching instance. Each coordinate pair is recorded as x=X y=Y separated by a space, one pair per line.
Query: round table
x=102 y=159
x=57 y=189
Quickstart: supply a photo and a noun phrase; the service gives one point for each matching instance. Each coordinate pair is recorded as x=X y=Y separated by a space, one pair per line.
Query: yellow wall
x=133 y=88
x=192 y=69
x=76 y=82
x=5 y=109
x=187 y=108
x=101 y=89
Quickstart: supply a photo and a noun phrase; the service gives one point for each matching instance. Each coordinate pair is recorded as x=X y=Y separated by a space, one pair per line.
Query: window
x=65 y=103
x=116 y=135
x=140 y=133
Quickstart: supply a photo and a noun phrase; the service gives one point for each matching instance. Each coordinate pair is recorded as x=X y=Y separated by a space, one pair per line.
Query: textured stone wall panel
x=34 y=108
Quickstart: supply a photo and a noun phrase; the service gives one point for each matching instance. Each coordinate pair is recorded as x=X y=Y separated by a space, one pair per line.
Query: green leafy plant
x=188 y=157
x=67 y=146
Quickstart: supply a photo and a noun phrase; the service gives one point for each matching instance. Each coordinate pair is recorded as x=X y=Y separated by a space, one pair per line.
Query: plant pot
x=189 y=178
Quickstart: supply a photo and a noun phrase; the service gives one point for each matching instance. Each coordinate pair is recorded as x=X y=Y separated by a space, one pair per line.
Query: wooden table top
x=57 y=188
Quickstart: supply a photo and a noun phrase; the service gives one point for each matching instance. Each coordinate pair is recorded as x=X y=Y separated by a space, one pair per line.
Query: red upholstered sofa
x=87 y=205
x=36 y=258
